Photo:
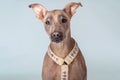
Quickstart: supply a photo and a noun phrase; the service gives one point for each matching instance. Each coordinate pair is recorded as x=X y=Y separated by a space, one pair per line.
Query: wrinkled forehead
x=55 y=14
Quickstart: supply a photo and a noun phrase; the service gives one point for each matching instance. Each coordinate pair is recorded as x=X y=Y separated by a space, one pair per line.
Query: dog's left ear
x=39 y=10
x=70 y=8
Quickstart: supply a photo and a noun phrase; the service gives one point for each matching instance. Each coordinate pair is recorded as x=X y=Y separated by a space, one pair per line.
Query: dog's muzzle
x=57 y=37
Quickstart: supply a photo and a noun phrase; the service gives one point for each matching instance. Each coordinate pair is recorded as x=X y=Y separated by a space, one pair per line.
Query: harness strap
x=68 y=59
x=64 y=72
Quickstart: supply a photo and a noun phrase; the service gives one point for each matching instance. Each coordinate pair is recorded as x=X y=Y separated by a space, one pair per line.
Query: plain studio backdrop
x=24 y=42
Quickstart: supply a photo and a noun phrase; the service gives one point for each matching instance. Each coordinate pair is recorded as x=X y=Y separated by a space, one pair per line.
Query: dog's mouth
x=56 y=37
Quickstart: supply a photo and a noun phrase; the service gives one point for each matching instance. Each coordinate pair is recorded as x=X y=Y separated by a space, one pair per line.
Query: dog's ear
x=70 y=8
x=39 y=10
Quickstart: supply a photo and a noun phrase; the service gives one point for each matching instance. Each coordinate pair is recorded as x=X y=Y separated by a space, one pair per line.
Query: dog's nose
x=57 y=36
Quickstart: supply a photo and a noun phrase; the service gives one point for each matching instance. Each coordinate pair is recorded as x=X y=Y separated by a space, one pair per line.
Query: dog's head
x=56 y=22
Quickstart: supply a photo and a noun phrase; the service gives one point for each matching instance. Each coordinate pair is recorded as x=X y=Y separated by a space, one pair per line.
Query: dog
x=63 y=60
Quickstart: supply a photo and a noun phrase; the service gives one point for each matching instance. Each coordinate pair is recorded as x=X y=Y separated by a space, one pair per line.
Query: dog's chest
x=52 y=71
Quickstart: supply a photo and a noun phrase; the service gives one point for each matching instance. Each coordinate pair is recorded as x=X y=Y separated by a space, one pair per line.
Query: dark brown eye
x=63 y=19
x=47 y=22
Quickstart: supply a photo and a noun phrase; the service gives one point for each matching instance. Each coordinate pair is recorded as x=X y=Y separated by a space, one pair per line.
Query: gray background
x=23 y=41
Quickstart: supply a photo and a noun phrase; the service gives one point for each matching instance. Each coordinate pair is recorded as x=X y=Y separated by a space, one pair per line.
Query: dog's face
x=56 y=22
x=57 y=25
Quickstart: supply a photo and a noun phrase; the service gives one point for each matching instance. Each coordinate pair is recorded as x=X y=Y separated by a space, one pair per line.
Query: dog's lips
x=56 y=39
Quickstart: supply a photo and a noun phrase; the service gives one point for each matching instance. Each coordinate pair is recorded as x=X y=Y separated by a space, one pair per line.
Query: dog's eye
x=47 y=22
x=63 y=19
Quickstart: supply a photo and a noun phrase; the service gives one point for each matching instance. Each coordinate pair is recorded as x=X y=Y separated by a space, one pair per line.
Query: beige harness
x=64 y=63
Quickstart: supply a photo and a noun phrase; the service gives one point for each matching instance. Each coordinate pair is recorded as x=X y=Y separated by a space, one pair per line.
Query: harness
x=64 y=63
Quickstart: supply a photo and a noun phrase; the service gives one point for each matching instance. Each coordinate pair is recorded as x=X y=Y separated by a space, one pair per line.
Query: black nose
x=57 y=36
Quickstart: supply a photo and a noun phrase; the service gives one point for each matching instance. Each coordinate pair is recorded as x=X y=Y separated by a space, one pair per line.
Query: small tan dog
x=63 y=60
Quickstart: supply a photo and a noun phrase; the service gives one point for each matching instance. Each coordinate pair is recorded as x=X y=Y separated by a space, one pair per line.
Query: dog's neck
x=63 y=48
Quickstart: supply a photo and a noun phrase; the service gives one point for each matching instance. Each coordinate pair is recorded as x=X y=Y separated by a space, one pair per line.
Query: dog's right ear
x=39 y=10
